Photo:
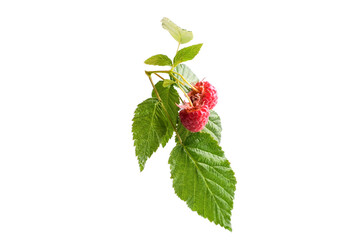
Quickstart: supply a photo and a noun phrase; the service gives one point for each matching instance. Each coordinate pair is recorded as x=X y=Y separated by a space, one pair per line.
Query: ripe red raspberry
x=206 y=95
x=194 y=118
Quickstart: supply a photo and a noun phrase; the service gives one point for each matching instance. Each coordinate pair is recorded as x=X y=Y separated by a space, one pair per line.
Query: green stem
x=163 y=71
x=177 y=48
x=152 y=83
x=163 y=106
x=182 y=83
x=173 y=66
x=185 y=94
x=178 y=81
x=159 y=76
x=192 y=87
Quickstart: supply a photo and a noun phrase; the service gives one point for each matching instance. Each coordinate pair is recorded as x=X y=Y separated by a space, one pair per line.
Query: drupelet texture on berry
x=194 y=118
x=206 y=95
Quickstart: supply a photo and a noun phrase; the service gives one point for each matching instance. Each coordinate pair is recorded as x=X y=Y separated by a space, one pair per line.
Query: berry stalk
x=184 y=94
x=192 y=87
x=178 y=81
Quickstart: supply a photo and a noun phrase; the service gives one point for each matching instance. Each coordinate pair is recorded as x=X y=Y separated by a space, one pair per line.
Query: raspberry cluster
x=195 y=117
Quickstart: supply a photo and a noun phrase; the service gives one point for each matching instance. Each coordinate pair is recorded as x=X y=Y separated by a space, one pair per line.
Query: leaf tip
x=141 y=166
x=165 y=19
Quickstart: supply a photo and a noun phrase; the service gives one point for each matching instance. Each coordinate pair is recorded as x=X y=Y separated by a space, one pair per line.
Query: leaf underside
x=203 y=178
x=186 y=72
x=179 y=34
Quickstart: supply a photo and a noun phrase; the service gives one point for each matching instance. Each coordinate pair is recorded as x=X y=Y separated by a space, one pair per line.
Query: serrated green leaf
x=148 y=129
x=213 y=126
x=187 y=53
x=186 y=72
x=168 y=83
x=159 y=60
x=170 y=98
x=179 y=34
x=203 y=178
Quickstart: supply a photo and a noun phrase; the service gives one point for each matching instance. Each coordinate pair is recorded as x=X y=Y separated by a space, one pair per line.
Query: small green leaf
x=203 y=178
x=168 y=83
x=187 y=53
x=170 y=98
x=159 y=60
x=179 y=34
x=148 y=129
x=213 y=126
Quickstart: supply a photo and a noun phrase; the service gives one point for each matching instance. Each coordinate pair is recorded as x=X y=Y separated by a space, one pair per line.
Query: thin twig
x=159 y=76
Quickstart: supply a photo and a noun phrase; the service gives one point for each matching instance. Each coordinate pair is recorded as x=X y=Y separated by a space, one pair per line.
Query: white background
x=72 y=73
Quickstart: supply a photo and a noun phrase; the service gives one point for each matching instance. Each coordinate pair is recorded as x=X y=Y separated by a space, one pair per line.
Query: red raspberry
x=194 y=118
x=206 y=95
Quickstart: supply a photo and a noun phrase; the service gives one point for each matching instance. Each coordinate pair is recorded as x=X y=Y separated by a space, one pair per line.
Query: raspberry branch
x=197 y=162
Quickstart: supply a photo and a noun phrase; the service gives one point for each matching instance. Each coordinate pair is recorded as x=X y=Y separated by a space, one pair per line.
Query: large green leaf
x=179 y=34
x=213 y=126
x=203 y=178
x=170 y=98
x=159 y=60
x=186 y=72
x=149 y=129
x=187 y=53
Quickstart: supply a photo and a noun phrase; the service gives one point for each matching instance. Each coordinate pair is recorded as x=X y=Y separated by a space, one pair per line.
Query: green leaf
x=213 y=126
x=159 y=60
x=149 y=129
x=168 y=83
x=187 y=53
x=203 y=178
x=179 y=34
x=170 y=98
x=186 y=72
